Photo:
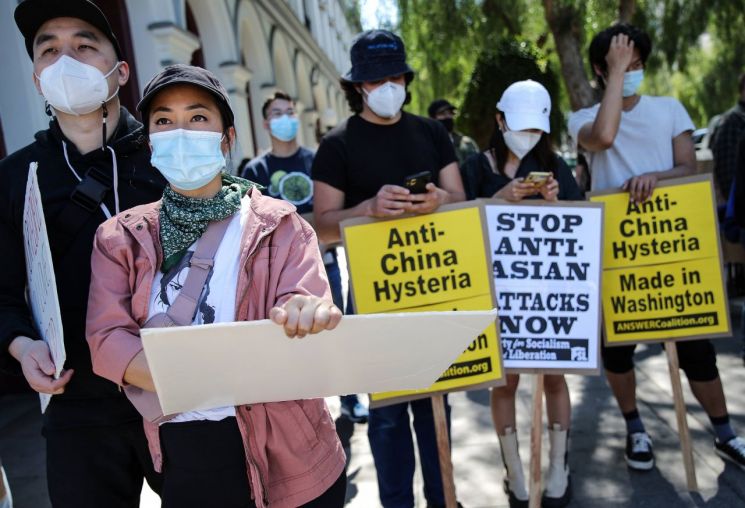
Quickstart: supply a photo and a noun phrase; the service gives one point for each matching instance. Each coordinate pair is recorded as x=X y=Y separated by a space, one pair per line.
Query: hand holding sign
x=391 y=200
x=303 y=315
x=516 y=190
x=550 y=189
x=37 y=365
x=640 y=187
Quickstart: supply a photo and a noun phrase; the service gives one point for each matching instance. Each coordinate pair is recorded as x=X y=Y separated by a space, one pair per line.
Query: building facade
x=254 y=47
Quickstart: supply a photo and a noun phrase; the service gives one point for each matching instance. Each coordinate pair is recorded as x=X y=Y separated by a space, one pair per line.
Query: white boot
x=558 y=491
x=514 y=483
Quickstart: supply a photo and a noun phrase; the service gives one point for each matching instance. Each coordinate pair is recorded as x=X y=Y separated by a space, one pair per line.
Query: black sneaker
x=639 y=455
x=513 y=501
x=733 y=451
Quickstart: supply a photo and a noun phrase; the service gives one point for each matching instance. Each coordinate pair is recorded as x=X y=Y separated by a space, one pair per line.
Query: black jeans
x=204 y=465
x=93 y=467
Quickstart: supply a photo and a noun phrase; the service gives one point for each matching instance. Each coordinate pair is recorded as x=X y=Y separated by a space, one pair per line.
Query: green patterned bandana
x=183 y=219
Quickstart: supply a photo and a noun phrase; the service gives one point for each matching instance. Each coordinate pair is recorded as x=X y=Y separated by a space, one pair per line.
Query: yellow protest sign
x=662 y=276
x=417 y=261
x=480 y=364
x=423 y=263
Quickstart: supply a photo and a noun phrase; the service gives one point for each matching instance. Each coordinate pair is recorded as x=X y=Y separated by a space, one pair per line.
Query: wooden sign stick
x=443 y=450
x=536 y=435
x=680 y=413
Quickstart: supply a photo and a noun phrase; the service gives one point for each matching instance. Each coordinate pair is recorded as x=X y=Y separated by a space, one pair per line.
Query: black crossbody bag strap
x=85 y=199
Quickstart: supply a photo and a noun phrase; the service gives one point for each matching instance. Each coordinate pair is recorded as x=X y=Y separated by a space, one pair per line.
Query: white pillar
x=308 y=124
x=235 y=78
x=173 y=44
x=21 y=106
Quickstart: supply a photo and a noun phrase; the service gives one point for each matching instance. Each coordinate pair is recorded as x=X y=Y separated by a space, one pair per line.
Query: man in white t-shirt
x=634 y=141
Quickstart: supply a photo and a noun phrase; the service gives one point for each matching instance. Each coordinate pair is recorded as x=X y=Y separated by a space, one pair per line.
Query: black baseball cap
x=377 y=54
x=438 y=106
x=181 y=74
x=31 y=14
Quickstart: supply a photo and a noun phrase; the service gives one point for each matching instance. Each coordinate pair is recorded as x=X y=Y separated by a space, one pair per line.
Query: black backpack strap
x=85 y=199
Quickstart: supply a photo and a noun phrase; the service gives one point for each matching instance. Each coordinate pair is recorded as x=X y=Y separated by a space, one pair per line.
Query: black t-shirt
x=286 y=178
x=359 y=157
x=481 y=181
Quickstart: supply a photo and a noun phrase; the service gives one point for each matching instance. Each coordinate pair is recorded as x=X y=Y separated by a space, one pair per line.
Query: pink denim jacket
x=293 y=454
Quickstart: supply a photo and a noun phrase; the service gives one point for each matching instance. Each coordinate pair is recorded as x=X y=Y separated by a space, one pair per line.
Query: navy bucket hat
x=377 y=54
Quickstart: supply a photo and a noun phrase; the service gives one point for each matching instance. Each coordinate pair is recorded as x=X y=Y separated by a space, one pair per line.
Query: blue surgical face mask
x=187 y=159
x=631 y=82
x=284 y=128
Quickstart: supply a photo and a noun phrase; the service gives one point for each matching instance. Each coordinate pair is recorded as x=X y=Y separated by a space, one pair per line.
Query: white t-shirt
x=644 y=142
x=217 y=302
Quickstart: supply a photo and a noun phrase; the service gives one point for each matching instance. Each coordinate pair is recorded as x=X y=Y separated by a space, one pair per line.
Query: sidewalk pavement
x=600 y=477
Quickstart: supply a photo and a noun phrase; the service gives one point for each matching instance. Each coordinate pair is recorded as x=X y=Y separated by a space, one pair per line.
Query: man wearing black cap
x=93 y=161
x=444 y=112
x=359 y=171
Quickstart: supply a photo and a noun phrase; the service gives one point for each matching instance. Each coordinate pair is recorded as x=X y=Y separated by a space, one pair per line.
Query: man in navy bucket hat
x=377 y=54
x=359 y=171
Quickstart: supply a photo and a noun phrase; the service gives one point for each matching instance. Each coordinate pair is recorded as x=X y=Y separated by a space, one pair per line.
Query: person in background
x=444 y=112
x=92 y=163
x=724 y=140
x=263 y=263
x=284 y=171
x=633 y=141
x=582 y=173
x=520 y=144
x=359 y=171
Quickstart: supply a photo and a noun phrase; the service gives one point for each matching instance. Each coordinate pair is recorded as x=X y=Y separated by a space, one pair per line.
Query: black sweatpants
x=93 y=467
x=204 y=464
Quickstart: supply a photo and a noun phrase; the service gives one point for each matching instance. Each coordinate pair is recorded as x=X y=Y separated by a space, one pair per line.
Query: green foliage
x=697 y=47
x=498 y=67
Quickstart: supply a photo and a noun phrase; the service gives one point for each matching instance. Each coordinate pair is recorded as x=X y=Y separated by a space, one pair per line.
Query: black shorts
x=697 y=359
x=204 y=464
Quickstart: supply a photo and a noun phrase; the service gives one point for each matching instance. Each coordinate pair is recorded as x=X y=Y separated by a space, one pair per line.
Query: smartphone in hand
x=417 y=183
x=537 y=178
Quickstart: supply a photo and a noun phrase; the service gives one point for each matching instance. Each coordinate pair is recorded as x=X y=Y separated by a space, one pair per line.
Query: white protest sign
x=207 y=366
x=42 y=287
x=546 y=267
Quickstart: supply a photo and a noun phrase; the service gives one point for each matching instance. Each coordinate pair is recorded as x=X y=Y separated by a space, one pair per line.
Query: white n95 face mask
x=74 y=87
x=187 y=159
x=521 y=142
x=387 y=99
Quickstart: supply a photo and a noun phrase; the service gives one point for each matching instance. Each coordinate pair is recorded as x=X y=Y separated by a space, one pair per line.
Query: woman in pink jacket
x=265 y=263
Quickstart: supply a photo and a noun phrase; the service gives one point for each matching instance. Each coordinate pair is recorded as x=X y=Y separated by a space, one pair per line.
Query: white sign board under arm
x=41 y=283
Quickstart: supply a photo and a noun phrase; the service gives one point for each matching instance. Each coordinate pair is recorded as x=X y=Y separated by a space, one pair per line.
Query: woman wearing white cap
x=519 y=146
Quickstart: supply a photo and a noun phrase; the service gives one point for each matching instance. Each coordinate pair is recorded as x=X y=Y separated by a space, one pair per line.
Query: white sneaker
x=7 y=501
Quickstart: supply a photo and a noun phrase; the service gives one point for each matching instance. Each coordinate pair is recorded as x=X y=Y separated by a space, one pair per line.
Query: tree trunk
x=565 y=20
x=626 y=10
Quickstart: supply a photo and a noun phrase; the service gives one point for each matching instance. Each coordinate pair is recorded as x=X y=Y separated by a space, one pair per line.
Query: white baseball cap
x=526 y=105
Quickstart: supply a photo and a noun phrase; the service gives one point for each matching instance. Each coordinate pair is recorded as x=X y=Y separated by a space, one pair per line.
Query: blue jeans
x=392 y=446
